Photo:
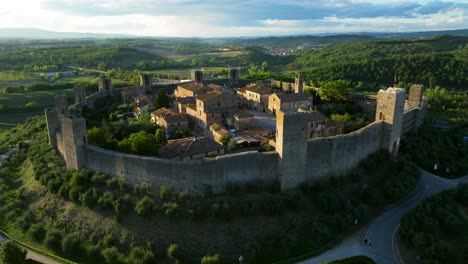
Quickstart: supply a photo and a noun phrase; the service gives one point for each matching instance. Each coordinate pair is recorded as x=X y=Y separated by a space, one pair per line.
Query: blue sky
x=217 y=18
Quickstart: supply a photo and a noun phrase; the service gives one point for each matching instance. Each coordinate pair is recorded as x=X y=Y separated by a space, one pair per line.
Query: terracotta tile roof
x=332 y=123
x=187 y=147
x=317 y=116
x=256 y=88
x=169 y=115
x=243 y=114
x=185 y=100
x=294 y=97
x=192 y=86
x=214 y=86
x=209 y=96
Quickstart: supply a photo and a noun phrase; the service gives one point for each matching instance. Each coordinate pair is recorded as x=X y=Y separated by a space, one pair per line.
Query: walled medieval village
x=304 y=144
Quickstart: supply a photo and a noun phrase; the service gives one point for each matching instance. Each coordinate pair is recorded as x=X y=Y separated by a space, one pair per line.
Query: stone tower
x=74 y=138
x=390 y=110
x=105 y=86
x=61 y=104
x=234 y=75
x=415 y=96
x=146 y=81
x=197 y=76
x=292 y=130
x=299 y=84
x=79 y=94
x=52 y=125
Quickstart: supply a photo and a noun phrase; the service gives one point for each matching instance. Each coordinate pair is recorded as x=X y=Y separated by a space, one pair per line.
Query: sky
x=224 y=18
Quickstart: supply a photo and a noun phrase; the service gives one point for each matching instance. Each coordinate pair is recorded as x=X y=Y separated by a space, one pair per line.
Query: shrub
x=94 y=253
x=145 y=206
x=89 y=198
x=139 y=255
x=164 y=192
x=212 y=259
x=170 y=209
x=10 y=253
x=111 y=255
x=173 y=252
x=37 y=232
x=106 y=200
x=266 y=147
x=53 y=240
x=71 y=244
x=142 y=188
x=109 y=241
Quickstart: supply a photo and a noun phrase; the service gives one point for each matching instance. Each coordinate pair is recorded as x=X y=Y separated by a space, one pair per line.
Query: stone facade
x=105 y=86
x=289 y=102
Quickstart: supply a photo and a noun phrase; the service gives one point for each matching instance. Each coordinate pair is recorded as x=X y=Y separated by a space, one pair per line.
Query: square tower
x=105 y=86
x=299 y=84
x=61 y=104
x=147 y=82
x=292 y=133
x=390 y=110
x=415 y=96
x=79 y=94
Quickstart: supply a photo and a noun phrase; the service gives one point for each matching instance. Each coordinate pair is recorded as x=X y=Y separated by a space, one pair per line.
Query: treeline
x=371 y=64
x=57 y=58
x=437 y=229
x=37 y=87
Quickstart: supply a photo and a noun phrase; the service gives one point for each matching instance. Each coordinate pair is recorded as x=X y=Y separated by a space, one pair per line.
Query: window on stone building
x=219 y=104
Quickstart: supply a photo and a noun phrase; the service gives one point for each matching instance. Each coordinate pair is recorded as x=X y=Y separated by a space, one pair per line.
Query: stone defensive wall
x=192 y=175
x=295 y=161
x=338 y=154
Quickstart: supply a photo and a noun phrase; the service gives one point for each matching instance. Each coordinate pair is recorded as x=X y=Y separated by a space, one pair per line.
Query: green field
x=15 y=118
x=44 y=98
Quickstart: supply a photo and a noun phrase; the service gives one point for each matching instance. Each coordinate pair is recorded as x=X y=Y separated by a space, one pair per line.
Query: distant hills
x=32 y=33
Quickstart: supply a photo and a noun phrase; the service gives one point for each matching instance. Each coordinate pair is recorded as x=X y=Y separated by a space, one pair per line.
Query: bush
x=71 y=244
x=212 y=259
x=109 y=241
x=142 y=188
x=106 y=200
x=37 y=232
x=145 y=206
x=173 y=252
x=164 y=192
x=111 y=255
x=266 y=147
x=139 y=255
x=10 y=253
x=53 y=240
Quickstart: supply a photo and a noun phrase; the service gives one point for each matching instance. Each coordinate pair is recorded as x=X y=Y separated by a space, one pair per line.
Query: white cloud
x=140 y=17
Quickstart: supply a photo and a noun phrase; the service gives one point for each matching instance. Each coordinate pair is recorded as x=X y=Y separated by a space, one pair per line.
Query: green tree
x=160 y=136
x=161 y=99
x=37 y=232
x=211 y=259
x=32 y=104
x=71 y=244
x=335 y=91
x=173 y=252
x=225 y=139
x=145 y=206
x=233 y=145
x=111 y=255
x=139 y=255
x=10 y=253
x=53 y=240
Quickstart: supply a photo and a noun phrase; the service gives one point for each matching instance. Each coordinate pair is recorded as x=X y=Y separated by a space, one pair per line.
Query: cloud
x=233 y=18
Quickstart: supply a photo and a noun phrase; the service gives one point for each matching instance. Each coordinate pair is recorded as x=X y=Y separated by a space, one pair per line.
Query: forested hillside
x=56 y=58
x=439 y=60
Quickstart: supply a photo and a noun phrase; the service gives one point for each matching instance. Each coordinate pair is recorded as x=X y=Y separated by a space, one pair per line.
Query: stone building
x=169 y=120
x=217 y=131
x=213 y=107
x=255 y=96
x=191 y=89
x=191 y=148
x=242 y=120
x=289 y=102
x=321 y=126
x=299 y=84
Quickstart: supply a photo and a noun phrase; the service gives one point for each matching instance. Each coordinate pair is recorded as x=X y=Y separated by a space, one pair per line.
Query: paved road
x=31 y=254
x=381 y=232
